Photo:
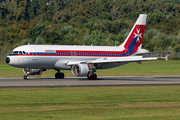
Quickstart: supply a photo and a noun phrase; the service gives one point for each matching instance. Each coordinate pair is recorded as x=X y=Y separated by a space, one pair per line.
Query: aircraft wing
x=112 y=59
x=123 y=59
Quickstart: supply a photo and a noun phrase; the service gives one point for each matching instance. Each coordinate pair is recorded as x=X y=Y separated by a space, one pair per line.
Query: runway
x=82 y=81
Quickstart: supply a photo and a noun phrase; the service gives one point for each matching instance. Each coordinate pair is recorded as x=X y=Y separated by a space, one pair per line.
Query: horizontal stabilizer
x=166 y=58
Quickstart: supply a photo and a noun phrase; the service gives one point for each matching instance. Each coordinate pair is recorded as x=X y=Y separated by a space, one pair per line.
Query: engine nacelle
x=28 y=71
x=80 y=69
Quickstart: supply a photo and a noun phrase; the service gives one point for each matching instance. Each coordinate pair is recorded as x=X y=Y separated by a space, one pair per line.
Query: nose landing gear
x=26 y=77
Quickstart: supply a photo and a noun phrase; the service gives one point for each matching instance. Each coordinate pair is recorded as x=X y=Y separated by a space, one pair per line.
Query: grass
x=94 y=103
x=91 y=103
x=147 y=68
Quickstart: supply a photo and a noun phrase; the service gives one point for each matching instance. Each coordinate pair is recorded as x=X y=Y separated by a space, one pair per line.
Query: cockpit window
x=23 y=52
x=20 y=52
x=17 y=52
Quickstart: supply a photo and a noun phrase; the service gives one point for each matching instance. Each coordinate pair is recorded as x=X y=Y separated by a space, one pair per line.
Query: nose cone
x=7 y=60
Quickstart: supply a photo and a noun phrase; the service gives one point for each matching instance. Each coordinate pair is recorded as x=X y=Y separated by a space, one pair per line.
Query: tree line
x=86 y=22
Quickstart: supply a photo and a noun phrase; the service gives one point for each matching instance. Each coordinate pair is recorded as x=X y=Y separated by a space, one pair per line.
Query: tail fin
x=135 y=37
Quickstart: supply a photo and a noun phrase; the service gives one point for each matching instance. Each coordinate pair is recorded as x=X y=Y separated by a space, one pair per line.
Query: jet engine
x=28 y=71
x=80 y=69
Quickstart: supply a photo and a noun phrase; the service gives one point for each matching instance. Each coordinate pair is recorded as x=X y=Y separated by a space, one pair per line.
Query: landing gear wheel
x=59 y=75
x=62 y=75
x=92 y=77
x=26 y=77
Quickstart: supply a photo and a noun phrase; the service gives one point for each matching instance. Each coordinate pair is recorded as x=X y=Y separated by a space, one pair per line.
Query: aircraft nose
x=7 y=60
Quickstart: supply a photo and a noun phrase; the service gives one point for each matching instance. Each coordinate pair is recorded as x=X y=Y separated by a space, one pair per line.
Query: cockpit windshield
x=17 y=52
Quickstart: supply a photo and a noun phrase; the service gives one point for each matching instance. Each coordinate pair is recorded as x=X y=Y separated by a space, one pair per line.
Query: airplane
x=81 y=60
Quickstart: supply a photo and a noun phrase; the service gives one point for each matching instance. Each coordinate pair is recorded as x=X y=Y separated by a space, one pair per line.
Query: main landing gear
x=92 y=77
x=59 y=75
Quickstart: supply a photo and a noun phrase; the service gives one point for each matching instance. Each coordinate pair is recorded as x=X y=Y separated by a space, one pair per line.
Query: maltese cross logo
x=138 y=34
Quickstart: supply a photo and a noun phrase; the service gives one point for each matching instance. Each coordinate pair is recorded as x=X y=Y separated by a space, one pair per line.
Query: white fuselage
x=46 y=56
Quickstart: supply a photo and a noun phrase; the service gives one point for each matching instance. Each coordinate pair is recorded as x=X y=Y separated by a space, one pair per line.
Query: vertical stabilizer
x=135 y=37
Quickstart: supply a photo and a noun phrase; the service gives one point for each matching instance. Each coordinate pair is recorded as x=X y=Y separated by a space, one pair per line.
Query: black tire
x=61 y=75
x=92 y=77
x=89 y=77
x=25 y=77
x=57 y=76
